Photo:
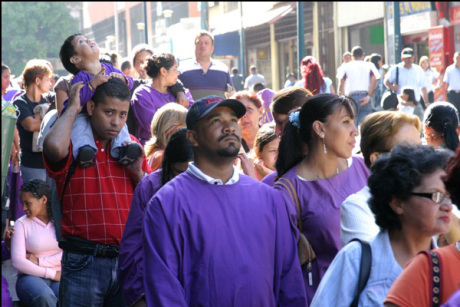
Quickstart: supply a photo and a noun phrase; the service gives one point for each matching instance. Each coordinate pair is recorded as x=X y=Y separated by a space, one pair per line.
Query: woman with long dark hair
x=323 y=177
x=441 y=125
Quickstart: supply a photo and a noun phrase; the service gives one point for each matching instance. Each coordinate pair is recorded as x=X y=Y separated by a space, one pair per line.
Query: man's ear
x=90 y=106
x=191 y=137
x=75 y=59
x=37 y=81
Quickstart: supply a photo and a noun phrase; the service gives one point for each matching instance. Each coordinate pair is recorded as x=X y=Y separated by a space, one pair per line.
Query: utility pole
x=204 y=15
x=146 y=25
x=397 y=30
x=300 y=34
x=242 y=57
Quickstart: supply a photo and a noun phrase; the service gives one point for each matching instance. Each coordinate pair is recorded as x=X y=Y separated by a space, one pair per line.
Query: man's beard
x=232 y=149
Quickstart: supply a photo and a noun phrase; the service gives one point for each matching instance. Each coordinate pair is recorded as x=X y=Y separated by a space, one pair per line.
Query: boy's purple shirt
x=86 y=93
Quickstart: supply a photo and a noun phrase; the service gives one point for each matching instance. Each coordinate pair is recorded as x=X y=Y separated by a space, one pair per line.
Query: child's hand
x=74 y=97
x=117 y=75
x=99 y=78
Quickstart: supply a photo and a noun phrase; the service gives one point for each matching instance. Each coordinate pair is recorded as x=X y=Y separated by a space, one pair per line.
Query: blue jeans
x=362 y=111
x=36 y=291
x=89 y=281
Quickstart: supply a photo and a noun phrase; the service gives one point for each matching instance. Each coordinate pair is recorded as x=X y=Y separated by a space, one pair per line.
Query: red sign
x=455 y=15
x=436 y=44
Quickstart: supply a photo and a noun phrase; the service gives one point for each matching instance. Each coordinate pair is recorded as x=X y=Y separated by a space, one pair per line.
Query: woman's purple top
x=320 y=201
x=145 y=102
x=130 y=254
x=220 y=245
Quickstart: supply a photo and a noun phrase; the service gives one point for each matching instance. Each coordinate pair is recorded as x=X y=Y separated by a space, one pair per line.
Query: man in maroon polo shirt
x=95 y=201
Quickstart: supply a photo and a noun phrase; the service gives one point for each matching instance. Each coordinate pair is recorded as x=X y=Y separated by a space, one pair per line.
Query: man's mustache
x=227 y=135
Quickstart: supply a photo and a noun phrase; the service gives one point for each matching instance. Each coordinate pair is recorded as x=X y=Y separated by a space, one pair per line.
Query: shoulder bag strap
x=435 y=266
x=397 y=75
x=294 y=197
x=364 y=269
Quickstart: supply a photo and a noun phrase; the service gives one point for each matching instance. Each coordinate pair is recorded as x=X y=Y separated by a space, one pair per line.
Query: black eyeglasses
x=437 y=197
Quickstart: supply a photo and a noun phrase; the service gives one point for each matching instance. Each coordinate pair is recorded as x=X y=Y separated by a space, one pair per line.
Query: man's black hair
x=113 y=88
x=357 y=51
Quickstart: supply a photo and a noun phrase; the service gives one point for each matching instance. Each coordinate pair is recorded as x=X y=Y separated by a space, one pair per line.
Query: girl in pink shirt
x=34 y=249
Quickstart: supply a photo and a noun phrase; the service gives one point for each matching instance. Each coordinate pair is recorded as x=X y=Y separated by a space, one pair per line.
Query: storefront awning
x=254 y=19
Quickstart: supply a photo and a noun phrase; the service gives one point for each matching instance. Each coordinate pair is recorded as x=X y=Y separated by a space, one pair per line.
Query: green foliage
x=34 y=30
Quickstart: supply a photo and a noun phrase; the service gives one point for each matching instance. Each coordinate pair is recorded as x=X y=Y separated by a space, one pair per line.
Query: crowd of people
x=160 y=183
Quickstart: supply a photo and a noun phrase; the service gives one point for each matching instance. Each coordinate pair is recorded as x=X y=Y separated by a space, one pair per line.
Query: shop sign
x=455 y=15
x=436 y=46
x=418 y=22
x=408 y=8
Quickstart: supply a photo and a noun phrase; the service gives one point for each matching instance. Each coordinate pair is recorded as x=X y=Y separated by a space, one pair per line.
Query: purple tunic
x=220 y=245
x=321 y=201
x=145 y=102
x=270 y=179
x=130 y=254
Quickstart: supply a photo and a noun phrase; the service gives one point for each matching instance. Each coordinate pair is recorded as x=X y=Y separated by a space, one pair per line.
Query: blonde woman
x=167 y=120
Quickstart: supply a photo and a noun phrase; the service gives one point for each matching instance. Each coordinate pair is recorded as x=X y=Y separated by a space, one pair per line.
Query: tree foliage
x=34 y=30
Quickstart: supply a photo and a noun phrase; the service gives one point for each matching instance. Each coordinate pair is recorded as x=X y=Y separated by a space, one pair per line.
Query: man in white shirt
x=253 y=78
x=410 y=74
x=357 y=79
x=452 y=78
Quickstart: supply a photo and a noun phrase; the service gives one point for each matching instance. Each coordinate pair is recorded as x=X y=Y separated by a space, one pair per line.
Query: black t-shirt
x=26 y=109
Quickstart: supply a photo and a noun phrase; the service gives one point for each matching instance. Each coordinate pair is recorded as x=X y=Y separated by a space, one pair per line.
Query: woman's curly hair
x=396 y=175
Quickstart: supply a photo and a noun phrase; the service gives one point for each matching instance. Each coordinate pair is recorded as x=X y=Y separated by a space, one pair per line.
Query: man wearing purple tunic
x=213 y=237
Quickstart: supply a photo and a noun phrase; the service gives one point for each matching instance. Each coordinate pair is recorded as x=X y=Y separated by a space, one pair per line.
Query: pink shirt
x=33 y=236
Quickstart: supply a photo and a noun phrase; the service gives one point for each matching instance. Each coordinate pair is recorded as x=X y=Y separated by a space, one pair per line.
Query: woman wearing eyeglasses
x=410 y=204
x=414 y=287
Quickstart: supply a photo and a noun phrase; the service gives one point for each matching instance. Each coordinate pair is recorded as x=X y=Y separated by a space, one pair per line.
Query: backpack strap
x=364 y=269
x=70 y=173
x=435 y=265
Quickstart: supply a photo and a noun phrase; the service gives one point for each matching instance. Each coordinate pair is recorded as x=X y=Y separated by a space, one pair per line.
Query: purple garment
x=320 y=201
x=220 y=245
x=15 y=183
x=145 y=102
x=7 y=301
x=270 y=179
x=453 y=301
x=130 y=255
x=11 y=94
x=266 y=95
x=86 y=93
